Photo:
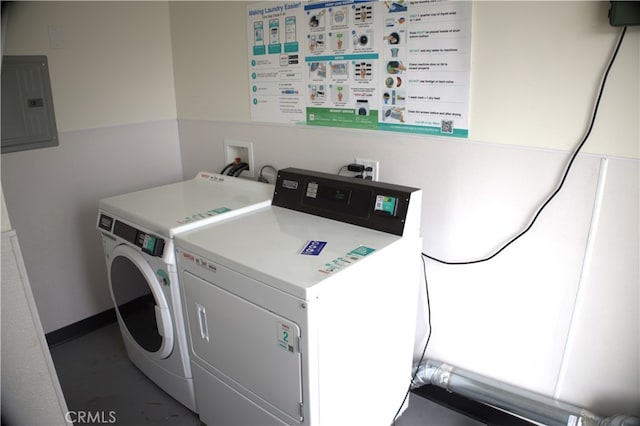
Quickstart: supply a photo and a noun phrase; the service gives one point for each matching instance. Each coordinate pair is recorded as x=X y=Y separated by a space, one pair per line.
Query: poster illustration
x=400 y=66
x=276 y=80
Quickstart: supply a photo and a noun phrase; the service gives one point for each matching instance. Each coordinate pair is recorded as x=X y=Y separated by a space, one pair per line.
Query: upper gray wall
x=534 y=72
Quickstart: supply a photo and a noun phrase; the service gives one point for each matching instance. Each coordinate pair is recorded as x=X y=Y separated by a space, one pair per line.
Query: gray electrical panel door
x=28 y=120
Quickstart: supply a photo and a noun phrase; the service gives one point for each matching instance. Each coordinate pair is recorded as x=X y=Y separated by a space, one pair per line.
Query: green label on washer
x=220 y=210
x=149 y=243
x=164 y=277
x=203 y=215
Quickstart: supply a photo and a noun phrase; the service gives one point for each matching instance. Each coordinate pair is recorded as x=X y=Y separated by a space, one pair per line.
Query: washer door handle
x=202 y=320
x=163 y=319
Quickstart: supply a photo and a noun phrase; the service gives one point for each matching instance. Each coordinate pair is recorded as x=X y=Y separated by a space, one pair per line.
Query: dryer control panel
x=374 y=205
x=148 y=243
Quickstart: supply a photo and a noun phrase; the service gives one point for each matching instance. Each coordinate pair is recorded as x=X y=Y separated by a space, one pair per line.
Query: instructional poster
x=276 y=65
x=399 y=65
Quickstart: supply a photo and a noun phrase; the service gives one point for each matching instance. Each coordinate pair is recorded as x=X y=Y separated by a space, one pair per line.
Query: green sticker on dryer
x=362 y=251
x=343 y=261
x=286 y=336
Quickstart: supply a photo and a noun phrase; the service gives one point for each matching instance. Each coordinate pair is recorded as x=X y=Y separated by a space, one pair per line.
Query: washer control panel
x=148 y=243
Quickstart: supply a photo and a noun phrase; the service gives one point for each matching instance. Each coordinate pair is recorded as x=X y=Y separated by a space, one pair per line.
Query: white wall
x=52 y=196
x=210 y=59
x=115 y=66
x=535 y=69
x=564 y=298
x=112 y=83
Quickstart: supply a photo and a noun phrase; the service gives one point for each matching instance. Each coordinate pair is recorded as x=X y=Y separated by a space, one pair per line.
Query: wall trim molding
x=80 y=328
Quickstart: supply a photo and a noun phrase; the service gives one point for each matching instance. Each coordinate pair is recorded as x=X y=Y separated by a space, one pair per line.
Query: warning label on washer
x=203 y=215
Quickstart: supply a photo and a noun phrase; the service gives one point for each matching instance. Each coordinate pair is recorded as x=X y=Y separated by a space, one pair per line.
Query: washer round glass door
x=140 y=303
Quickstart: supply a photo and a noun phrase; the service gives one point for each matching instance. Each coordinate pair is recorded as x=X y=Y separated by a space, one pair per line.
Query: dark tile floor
x=98 y=380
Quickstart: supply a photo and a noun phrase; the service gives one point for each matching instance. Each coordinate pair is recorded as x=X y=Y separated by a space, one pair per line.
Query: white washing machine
x=137 y=234
x=311 y=318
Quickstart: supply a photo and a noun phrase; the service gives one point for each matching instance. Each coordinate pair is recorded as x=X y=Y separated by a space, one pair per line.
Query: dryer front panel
x=252 y=349
x=140 y=303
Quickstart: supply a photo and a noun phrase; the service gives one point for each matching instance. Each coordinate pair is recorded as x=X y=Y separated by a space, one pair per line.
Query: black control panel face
x=373 y=205
x=148 y=243
x=105 y=222
x=336 y=197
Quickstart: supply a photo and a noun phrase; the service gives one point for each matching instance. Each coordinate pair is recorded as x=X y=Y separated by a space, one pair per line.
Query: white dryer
x=137 y=234
x=311 y=319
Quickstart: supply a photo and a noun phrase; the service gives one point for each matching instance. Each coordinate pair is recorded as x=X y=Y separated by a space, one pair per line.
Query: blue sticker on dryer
x=313 y=248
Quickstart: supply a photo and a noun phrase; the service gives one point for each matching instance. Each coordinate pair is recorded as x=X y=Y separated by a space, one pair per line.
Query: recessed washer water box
x=234 y=149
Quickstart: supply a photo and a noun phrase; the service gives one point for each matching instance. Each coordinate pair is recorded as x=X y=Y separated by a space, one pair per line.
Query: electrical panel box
x=28 y=119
